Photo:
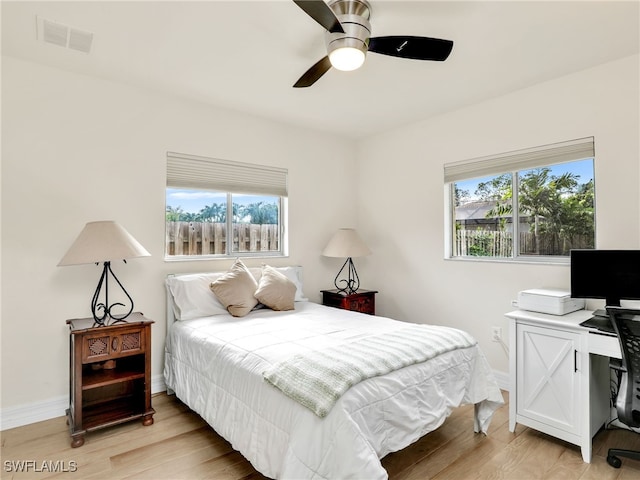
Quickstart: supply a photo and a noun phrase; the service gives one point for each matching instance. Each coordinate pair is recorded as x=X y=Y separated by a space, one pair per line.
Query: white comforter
x=216 y=364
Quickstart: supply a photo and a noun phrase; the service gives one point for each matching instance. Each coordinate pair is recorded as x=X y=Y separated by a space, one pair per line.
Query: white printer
x=549 y=300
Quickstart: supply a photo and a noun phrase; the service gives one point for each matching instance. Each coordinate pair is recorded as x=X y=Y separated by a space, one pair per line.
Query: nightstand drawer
x=363 y=301
x=362 y=304
x=106 y=346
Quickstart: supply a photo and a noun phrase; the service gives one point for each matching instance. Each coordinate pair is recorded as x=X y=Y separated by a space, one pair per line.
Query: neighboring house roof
x=475 y=210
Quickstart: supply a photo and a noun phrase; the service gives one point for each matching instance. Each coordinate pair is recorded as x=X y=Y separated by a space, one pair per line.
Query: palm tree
x=216 y=212
x=540 y=196
x=572 y=222
x=261 y=213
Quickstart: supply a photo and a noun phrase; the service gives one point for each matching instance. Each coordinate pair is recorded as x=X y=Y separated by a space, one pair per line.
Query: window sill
x=197 y=258
x=555 y=261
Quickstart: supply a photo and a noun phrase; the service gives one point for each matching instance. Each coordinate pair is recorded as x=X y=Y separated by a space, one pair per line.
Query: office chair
x=628 y=398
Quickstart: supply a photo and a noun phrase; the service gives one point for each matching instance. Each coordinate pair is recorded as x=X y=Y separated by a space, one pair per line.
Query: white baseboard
x=20 y=415
x=157 y=384
x=502 y=379
x=33 y=412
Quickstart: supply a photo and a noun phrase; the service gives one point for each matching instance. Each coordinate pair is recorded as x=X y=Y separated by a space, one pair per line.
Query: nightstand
x=110 y=374
x=363 y=301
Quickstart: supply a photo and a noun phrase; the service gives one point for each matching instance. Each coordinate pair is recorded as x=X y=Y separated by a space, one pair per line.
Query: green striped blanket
x=317 y=379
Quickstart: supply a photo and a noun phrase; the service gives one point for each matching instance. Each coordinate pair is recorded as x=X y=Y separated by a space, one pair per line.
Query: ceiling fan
x=348 y=39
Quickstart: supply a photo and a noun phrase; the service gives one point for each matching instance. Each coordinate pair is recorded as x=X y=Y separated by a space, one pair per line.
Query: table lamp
x=346 y=243
x=102 y=242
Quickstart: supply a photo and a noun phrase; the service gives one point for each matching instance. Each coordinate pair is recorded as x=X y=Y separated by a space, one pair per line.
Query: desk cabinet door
x=547 y=377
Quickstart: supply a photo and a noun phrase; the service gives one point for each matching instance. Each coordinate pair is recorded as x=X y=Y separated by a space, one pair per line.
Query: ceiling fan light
x=347 y=58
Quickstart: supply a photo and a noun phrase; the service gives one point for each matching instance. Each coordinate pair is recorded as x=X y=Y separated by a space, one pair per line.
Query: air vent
x=63 y=35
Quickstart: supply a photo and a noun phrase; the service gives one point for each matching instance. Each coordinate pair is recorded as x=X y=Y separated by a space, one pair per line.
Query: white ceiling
x=246 y=55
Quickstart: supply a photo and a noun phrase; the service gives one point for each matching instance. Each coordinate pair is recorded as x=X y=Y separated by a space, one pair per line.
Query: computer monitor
x=612 y=275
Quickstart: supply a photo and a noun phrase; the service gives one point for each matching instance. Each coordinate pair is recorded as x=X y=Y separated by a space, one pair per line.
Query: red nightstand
x=363 y=301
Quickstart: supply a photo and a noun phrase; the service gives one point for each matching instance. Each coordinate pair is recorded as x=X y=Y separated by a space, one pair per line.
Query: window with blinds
x=223 y=208
x=534 y=204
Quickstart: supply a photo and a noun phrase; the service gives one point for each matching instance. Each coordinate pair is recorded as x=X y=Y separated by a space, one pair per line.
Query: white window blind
x=519 y=160
x=202 y=173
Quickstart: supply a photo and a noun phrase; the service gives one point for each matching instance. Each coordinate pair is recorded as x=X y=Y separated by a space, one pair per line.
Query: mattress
x=216 y=364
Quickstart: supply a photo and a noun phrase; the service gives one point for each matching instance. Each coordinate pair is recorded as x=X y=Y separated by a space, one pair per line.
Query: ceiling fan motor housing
x=348 y=39
x=354 y=17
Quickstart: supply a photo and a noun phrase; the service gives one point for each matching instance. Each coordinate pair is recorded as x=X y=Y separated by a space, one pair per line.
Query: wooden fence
x=483 y=243
x=208 y=238
x=551 y=244
x=489 y=243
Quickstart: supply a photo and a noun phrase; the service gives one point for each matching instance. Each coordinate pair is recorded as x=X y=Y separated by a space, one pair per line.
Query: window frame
x=209 y=175
x=512 y=163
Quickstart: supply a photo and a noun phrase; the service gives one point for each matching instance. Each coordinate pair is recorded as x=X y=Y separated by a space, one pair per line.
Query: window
x=219 y=208
x=534 y=204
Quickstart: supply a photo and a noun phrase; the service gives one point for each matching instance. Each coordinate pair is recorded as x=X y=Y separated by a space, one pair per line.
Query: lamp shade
x=101 y=242
x=346 y=243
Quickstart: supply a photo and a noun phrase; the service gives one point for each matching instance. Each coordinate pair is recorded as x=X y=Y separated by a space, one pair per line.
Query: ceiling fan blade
x=321 y=13
x=417 y=48
x=312 y=75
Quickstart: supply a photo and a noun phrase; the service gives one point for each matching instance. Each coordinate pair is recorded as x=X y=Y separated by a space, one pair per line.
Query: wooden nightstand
x=110 y=374
x=363 y=301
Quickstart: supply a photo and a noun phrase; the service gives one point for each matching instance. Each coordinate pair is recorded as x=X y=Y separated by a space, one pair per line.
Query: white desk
x=559 y=375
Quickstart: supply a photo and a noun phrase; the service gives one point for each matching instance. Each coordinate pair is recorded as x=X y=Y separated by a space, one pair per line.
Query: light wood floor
x=180 y=445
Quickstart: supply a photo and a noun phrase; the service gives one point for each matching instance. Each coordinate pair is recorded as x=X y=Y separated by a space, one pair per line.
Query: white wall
x=77 y=149
x=402 y=203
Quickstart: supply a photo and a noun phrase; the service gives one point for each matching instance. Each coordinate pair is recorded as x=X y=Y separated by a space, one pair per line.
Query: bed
x=225 y=368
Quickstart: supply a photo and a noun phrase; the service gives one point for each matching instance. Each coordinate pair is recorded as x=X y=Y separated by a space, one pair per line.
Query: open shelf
x=111 y=413
x=126 y=369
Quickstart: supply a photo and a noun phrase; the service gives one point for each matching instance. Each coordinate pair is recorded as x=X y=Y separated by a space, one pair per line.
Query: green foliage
x=482 y=245
x=460 y=195
x=259 y=213
x=557 y=206
x=173 y=214
x=498 y=188
x=216 y=213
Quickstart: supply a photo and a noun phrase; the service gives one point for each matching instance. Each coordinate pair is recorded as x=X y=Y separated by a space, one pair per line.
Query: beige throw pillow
x=275 y=290
x=235 y=290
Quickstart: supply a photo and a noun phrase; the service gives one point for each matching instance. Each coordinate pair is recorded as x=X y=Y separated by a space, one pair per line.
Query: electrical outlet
x=496 y=334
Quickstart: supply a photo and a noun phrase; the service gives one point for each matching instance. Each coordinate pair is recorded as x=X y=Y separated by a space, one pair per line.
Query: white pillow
x=192 y=297
x=295 y=275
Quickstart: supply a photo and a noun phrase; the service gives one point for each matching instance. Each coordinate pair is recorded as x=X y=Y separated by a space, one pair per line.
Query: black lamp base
x=102 y=314
x=352 y=282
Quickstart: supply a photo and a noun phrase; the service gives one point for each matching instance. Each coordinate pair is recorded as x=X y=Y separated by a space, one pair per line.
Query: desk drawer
x=606 y=345
x=98 y=347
